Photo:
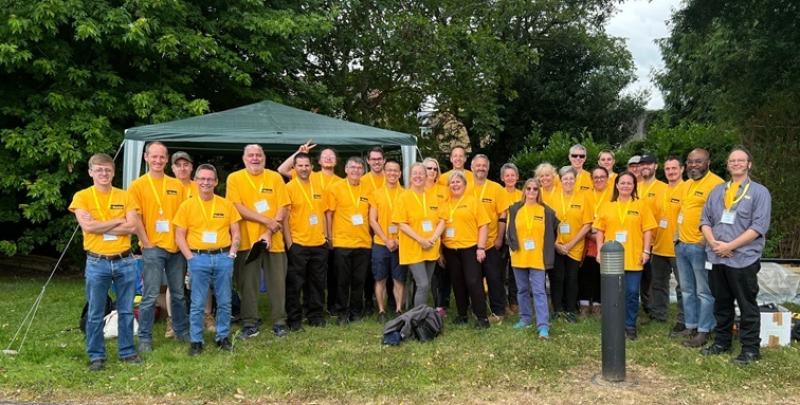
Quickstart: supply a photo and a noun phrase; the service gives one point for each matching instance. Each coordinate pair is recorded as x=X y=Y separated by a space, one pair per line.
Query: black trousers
x=331 y=284
x=564 y=284
x=308 y=266
x=662 y=267
x=739 y=284
x=352 y=265
x=493 y=271
x=441 y=287
x=589 y=280
x=508 y=275
x=467 y=280
x=645 y=287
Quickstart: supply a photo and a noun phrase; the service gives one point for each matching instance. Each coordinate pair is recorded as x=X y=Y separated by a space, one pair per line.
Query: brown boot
x=697 y=340
x=169 y=332
x=210 y=323
x=585 y=311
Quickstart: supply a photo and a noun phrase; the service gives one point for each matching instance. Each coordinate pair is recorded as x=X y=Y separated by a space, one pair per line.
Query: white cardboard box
x=776 y=328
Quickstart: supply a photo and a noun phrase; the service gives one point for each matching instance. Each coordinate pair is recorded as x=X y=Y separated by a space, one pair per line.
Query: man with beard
x=698 y=303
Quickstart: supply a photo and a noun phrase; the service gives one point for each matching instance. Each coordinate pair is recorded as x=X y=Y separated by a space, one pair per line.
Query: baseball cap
x=634 y=160
x=181 y=155
x=647 y=159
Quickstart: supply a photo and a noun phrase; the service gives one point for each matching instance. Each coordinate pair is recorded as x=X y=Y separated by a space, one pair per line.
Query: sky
x=640 y=23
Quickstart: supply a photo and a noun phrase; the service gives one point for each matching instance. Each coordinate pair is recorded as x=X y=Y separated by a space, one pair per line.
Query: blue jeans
x=632 y=281
x=100 y=275
x=156 y=262
x=532 y=280
x=204 y=269
x=698 y=302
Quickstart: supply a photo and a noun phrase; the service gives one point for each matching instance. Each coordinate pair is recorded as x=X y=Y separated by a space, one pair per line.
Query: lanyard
x=646 y=192
x=550 y=193
x=483 y=191
x=599 y=201
x=97 y=203
x=729 y=200
x=423 y=203
x=563 y=207
x=155 y=193
x=623 y=215
x=528 y=218
x=372 y=179
x=454 y=207
x=303 y=190
x=356 y=201
x=189 y=190
x=213 y=208
x=391 y=200
x=252 y=184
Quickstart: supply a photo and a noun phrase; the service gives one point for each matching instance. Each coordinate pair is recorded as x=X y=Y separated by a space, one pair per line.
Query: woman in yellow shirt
x=466 y=230
x=548 y=178
x=440 y=284
x=531 y=235
x=589 y=274
x=628 y=220
x=417 y=214
x=574 y=213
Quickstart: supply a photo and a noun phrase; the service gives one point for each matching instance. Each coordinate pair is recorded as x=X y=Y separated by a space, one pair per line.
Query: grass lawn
x=348 y=364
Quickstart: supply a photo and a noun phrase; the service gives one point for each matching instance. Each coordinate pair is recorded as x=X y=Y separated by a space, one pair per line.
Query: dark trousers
x=440 y=287
x=509 y=279
x=564 y=284
x=662 y=267
x=589 y=280
x=493 y=272
x=352 y=265
x=307 y=268
x=644 y=288
x=740 y=284
x=331 y=285
x=369 y=289
x=467 y=280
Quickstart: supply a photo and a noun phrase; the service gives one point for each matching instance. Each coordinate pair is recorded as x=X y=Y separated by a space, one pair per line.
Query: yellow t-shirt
x=443 y=179
x=264 y=194
x=666 y=215
x=549 y=197
x=422 y=213
x=463 y=216
x=694 y=198
x=612 y=177
x=112 y=205
x=442 y=192
x=600 y=198
x=529 y=224
x=158 y=200
x=583 y=183
x=319 y=178
x=372 y=182
x=190 y=190
x=384 y=200
x=306 y=212
x=652 y=193
x=513 y=196
x=626 y=223
x=495 y=199
x=202 y=219
x=573 y=212
x=350 y=206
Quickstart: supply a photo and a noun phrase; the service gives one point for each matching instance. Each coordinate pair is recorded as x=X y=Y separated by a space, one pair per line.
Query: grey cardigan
x=550 y=226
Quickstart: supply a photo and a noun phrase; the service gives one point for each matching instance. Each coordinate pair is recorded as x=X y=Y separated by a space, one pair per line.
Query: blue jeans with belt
x=100 y=274
x=204 y=269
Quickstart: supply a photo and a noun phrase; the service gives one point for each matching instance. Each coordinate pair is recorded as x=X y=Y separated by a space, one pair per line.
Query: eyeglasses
x=204 y=179
x=599 y=177
x=431 y=168
x=532 y=188
x=695 y=161
x=576 y=156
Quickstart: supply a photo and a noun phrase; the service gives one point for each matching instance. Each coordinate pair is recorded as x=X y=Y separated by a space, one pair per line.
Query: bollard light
x=612 y=289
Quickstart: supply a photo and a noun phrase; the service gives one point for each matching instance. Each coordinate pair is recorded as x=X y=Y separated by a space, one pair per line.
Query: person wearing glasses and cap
x=633 y=165
x=577 y=158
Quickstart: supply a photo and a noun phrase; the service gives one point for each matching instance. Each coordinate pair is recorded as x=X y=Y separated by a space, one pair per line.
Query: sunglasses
x=431 y=168
x=532 y=188
x=576 y=156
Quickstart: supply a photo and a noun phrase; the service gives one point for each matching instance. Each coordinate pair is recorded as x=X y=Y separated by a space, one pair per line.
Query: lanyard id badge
x=663 y=224
x=357 y=219
x=107 y=237
x=262 y=206
x=209 y=237
x=392 y=229
x=162 y=226
x=621 y=236
x=450 y=233
x=529 y=244
x=427 y=226
x=728 y=217
x=563 y=228
x=313 y=219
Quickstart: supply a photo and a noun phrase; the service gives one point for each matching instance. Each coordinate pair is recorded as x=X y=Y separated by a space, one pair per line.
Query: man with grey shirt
x=734 y=223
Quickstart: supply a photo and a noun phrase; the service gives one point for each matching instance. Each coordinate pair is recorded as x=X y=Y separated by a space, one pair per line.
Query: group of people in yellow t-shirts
x=323 y=240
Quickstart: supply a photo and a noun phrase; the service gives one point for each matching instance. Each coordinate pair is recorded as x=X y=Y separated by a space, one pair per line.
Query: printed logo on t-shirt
x=117 y=206
x=219 y=215
x=172 y=192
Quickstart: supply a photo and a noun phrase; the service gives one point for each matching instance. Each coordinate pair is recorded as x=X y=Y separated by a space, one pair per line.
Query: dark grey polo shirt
x=752 y=212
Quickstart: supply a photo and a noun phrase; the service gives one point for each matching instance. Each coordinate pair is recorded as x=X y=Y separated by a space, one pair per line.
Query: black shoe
x=248 y=332
x=317 y=323
x=482 y=323
x=97 y=365
x=556 y=315
x=630 y=333
x=570 y=317
x=295 y=326
x=279 y=330
x=460 y=320
x=715 y=349
x=224 y=344
x=135 y=359
x=746 y=358
x=195 y=348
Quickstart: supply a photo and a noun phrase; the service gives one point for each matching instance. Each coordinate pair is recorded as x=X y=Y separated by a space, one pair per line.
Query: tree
x=75 y=73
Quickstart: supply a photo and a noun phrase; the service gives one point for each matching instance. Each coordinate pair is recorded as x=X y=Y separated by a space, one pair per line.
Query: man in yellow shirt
x=207 y=234
x=158 y=197
x=651 y=190
x=182 y=166
x=304 y=235
x=458 y=158
x=663 y=261
x=494 y=199
x=577 y=158
x=261 y=199
x=373 y=180
x=347 y=206
x=690 y=254
x=107 y=217
x=385 y=254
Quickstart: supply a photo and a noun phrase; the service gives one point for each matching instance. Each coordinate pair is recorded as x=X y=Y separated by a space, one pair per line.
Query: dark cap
x=648 y=159
x=181 y=155
x=634 y=160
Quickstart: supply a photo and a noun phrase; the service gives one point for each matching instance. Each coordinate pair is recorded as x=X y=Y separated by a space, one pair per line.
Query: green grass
x=348 y=363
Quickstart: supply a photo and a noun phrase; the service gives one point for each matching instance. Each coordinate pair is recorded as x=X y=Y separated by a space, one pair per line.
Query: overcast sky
x=641 y=22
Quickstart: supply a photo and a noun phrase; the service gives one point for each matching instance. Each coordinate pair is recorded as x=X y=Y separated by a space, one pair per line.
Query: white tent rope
x=29 y=317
